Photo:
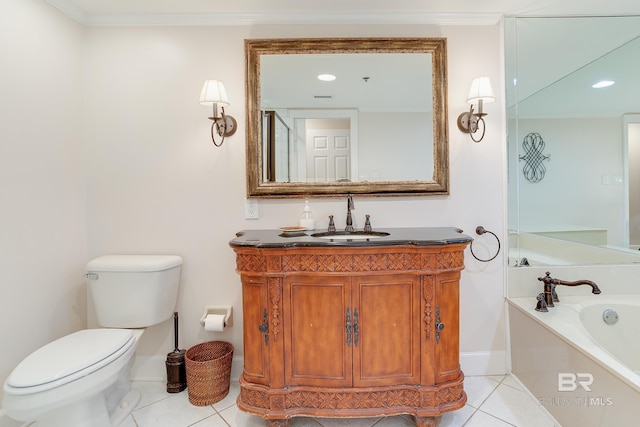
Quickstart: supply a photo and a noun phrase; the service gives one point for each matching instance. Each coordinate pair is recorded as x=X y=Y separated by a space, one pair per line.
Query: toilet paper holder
x=225 y=310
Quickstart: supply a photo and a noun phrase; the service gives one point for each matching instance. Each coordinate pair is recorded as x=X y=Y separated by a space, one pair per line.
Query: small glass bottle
x=306 y=218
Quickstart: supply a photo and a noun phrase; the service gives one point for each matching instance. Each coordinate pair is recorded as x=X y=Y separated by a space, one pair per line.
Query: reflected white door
x=328 y=155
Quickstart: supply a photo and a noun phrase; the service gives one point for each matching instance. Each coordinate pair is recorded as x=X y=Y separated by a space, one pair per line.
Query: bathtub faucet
x=549 y=295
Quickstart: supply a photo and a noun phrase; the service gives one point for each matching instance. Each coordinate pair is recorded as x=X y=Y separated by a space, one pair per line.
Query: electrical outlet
x=251 y=209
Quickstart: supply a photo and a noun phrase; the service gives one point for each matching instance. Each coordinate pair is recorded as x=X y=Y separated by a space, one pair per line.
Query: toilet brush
x=176 y=371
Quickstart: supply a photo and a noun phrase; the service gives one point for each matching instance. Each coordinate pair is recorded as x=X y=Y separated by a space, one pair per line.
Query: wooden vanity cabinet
x=344 y=332
x=351 y=331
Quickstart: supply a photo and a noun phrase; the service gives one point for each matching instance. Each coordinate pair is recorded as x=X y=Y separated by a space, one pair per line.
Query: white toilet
x=82 y=379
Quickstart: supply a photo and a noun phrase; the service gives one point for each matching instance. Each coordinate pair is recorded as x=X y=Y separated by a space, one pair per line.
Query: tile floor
x=493 y=401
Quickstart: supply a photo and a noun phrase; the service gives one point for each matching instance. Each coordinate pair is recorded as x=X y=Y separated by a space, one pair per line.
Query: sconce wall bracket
x=467 y=120
x=224 y=126
x=470 y=123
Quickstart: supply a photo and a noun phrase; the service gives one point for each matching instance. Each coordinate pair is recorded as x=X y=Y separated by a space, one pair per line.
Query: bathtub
x=584 y=371
x=543 y=251
x=534 y=258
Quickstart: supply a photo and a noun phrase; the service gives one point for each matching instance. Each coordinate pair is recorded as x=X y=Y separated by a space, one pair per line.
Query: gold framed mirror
x=396 y=139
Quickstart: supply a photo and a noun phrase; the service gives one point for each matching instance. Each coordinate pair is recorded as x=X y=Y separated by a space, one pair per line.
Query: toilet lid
x=71 y=357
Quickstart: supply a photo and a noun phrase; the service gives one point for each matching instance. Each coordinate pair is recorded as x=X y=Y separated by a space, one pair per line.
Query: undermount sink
x=350 y=235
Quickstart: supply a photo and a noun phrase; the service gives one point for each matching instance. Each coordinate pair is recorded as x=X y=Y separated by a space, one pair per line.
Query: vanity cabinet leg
x=426 y=421
x=279 y=423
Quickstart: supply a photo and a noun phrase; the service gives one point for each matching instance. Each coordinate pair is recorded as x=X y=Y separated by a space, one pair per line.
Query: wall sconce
x=480 y=92
x=213 y=93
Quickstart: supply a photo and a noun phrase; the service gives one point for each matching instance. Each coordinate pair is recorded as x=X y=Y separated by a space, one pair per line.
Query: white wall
x=42 y=179
x=580 y=185
x=156 y=184
x=393 y=146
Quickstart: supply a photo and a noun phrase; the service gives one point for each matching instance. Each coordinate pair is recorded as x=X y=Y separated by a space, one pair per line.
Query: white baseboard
x=153 y=368
x=484 y=363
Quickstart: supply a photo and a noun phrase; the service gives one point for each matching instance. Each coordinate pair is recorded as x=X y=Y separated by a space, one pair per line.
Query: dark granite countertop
x=421 y=236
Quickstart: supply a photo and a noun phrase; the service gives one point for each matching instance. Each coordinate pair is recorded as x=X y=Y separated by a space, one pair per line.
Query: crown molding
x=276 y=18
x=290 y=18
x=70 y=9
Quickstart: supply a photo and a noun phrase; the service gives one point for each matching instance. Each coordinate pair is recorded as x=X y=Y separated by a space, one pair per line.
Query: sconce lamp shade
x=472 y=121
x=213 y=92
x=481 y=91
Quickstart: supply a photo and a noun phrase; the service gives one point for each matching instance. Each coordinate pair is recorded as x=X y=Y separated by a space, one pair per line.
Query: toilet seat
x=69 y=358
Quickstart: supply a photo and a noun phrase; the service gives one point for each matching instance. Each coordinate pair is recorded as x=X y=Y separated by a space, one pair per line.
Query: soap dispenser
x=306 y=218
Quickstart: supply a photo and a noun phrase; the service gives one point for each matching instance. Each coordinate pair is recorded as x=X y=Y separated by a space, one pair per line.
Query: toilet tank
x=134 y=291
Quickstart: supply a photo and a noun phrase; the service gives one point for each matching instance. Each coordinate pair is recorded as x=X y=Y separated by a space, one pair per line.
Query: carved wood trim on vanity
x=360 y=403
x=433 y=268
x=427 y=293
x=275 y=291
x=350 y=260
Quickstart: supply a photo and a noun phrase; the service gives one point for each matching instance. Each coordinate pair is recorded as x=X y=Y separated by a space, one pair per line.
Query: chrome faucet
x=350 y=206
x=549 y=295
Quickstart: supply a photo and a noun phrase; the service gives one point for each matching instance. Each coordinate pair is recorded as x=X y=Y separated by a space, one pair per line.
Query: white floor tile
x=213 y=421
x=237 y=418
x=175 y=411
x=482 y=419
x=230 y=399
x=512 y=382
x=478 y=389
x=496 y=378
x=516 y=407
x=397 y=421
x=151 y=392
x=456 y=418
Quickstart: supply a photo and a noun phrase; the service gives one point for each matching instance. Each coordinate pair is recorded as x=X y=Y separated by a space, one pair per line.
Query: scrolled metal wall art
x=534 y=169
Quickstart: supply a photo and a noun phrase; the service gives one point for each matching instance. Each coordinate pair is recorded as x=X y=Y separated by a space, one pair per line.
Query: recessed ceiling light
x=326 y=77
x=603 y=83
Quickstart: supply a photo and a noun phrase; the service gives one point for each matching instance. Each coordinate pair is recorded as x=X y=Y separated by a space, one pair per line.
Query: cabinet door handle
x=264 y=328
x=356 y=328
x=348 y=327
x=439 y=324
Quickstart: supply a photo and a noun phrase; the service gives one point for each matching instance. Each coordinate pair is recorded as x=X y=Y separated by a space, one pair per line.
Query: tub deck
x=554 y=356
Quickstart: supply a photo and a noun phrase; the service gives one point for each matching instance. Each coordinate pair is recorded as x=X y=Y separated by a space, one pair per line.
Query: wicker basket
x=208 y=368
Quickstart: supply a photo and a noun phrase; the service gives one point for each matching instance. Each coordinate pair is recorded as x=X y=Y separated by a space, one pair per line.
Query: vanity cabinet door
x=447 y=346
x=387 y=333
x=315 y=311
x=256 y=350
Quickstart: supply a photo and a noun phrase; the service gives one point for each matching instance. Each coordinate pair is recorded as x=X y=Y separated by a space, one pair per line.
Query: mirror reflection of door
x=277 y=151
x=324 y=145
x=328 y=150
